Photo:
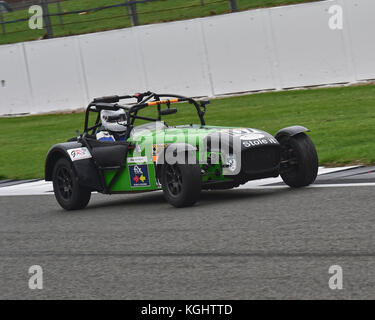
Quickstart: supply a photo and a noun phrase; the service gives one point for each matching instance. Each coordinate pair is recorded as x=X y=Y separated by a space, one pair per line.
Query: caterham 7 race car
x=113 y=155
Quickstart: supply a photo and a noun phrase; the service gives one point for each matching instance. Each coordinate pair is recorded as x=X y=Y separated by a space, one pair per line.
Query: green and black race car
x=180 y=160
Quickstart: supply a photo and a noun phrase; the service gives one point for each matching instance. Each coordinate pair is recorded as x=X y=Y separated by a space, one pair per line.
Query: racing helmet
x=114 y=121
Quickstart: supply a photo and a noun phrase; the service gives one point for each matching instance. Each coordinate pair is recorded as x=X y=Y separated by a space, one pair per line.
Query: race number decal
x=252 y=136
x=244 y=133
x=139 y=175
x=79 y=154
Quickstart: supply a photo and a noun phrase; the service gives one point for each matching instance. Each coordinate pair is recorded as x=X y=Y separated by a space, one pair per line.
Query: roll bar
x=143 y=101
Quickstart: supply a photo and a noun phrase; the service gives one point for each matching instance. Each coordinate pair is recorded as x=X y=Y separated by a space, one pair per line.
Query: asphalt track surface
x=259 y=243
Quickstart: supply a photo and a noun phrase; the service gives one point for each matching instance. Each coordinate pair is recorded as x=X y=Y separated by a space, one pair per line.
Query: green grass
x=161 y=11
x=342 y=123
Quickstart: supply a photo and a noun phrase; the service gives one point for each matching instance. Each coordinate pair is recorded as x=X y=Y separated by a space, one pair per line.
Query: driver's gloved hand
x=104 y=136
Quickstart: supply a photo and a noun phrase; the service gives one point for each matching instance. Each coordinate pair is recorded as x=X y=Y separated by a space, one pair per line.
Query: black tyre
x=181 y=184
x=69 y=194
x=299 y=160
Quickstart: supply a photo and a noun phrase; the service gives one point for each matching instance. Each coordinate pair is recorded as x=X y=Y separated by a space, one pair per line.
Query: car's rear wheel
x=299 y=166
x=181 y=184
x=69 y=194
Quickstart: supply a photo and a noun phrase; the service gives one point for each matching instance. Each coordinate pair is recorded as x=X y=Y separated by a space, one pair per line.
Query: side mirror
x=168 y=111
x=106 y=106
x=204 y=102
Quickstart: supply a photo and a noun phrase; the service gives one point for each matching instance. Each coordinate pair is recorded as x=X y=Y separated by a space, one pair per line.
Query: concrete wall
x=273 y=48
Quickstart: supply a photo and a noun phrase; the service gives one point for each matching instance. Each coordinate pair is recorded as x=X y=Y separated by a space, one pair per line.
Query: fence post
x=2 y=25
x=47 y=21
x=132 y=9
x=233 y=5
x=60 y=11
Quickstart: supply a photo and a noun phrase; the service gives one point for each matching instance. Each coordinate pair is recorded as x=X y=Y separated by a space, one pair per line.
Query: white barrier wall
x=361 y=28
x=15 y=93
x=55 y=74
x=112 y=63
x=239 y=52
x=273 y=48
x=308 y=51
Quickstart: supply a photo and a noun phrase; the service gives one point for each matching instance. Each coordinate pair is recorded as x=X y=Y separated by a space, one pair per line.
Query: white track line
x=42 y=187
x=267 y=181
x=323 y=170
x=26 y=189
x=343 y=185
x=333 y=185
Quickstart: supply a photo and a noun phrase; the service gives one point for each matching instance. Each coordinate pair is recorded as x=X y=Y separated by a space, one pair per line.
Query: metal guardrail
x=131 y=6
x=25 y=4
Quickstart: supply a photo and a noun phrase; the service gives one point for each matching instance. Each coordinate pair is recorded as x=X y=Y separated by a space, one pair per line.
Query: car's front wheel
x=181 y=184
x=69 y=194
x=299 y=166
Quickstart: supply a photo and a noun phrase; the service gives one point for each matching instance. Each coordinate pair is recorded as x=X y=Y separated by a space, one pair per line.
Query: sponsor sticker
x=139 y=176
x=138 y=148
x=157 y=148
x=137 y=159
x=258 y=142
x=79 y=154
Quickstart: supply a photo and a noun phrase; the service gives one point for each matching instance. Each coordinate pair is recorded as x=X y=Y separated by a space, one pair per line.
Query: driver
x=114 y=125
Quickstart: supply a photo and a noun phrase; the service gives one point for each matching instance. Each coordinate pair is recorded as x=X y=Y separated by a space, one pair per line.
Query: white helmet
x=114 y=121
